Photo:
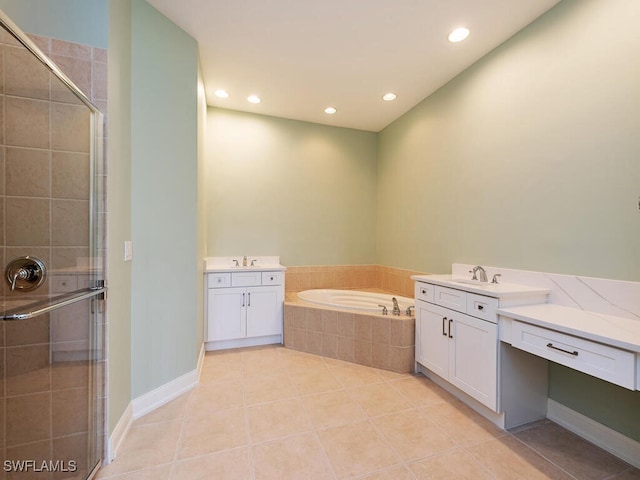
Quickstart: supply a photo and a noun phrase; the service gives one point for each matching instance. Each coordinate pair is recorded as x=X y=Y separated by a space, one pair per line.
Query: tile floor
x=274 y=413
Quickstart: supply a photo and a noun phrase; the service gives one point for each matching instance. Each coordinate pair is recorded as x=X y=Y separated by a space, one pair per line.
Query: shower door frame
x=96 y=270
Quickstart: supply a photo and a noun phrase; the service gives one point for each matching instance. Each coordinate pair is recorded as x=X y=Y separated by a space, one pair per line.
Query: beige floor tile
x=421 y=391
x=462 y=423
x=413 y=435
x=332 y=409
x=261 y=361
x=352 y=375
x=458 y=465
x=268 y=388
x=269 y=421
x=174 y=410
x=303 y=363
x=221 y=430
x=220 y=368
x=145 y=446
x=226 y=465
x=291 y=458
x=206 y=399
x=155 y=473
x=356 y=449
x=379 y=399
x=506 y=458
x=316 y=380
x=397 y=473
x=631 y=474
x=570 y=452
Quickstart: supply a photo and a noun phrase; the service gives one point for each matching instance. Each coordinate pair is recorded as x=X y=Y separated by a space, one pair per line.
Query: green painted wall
x=119 y=208
x=528 y=160
x=164 y=164
x=80 y=21
x=303 y=191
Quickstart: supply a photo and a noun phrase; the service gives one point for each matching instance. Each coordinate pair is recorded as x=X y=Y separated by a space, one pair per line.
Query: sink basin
x=477 y=283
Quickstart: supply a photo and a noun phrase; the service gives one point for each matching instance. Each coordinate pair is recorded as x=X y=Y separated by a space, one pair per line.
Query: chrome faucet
x=396 y=307
x=408 y=312
x=483 y=273
x=384 y=309
x=236 y=263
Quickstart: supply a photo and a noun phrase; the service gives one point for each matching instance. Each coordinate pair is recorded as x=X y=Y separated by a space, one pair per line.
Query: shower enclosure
x=51 y=252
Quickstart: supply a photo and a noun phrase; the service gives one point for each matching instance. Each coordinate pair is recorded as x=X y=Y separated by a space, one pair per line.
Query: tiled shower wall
x=392 y=280
x=44 y=205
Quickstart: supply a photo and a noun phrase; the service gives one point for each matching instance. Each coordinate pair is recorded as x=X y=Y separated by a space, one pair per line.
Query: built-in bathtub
x=365 y=302
x=349 y=325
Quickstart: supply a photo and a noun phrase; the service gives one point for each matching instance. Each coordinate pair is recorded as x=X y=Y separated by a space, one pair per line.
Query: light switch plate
x=128 y=250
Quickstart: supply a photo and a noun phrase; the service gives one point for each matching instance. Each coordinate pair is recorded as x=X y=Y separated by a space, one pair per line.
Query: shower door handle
x=35 y=309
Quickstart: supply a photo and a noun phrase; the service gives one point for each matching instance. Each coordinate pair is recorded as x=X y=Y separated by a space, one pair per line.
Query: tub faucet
x=396 y=307
x=483 y=273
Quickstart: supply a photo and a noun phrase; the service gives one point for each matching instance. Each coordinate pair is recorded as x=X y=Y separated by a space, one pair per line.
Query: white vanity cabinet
x=460 y=348
x=244 y=308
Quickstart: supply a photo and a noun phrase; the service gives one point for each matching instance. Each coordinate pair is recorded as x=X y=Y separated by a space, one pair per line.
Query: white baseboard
x=119 y=433
x=606 y=438
x=165 y=393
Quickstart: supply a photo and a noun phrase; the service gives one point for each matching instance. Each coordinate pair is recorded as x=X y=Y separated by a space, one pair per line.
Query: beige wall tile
x=28 y=172
x=25 y=75
x=28 y=332
x=329 y=321
x=70 y=127
x=71 y=49
x=380 y=355
x=27 y=221
x=43 y=43
x=363 y=327
x=79 y=71
x=38 y=451
x=401 y=359
x=363 y=352
x=70 y=175
x=70 y=222
x=27 y=122
x=329 y=345
x=346 y=349
x=381 y=329
x=28 y=419
x=99 y=80
x=346 y=324
x=70 y=411
x=66 y=449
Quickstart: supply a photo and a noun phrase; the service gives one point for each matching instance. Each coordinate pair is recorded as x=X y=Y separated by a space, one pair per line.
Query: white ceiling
x=301 y=56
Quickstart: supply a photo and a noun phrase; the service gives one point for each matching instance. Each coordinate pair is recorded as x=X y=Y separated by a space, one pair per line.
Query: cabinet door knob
x=480 y=307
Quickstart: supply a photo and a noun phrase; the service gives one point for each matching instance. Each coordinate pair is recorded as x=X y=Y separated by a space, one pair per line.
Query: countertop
x=619 y=332
x=496 y=290
x=226 y=264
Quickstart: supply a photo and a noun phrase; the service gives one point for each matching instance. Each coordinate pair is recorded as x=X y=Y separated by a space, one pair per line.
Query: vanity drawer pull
x=480 y=307
x=551 y=345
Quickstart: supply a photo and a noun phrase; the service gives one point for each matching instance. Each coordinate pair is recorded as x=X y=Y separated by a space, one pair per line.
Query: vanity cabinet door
x=264 y=311
x=474 y=359
x=432 y=338
x=226 y=313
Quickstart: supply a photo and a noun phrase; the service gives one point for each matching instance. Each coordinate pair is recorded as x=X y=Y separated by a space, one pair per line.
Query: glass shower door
x=52 y=277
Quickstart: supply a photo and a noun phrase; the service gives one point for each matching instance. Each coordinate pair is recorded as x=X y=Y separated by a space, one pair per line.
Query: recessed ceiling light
x=253 y=99
x=330 y=110
x=458 y=34
x=387 y=97
x=221 y=93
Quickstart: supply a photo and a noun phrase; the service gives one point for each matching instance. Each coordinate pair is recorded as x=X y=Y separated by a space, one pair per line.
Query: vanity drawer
x=424 y=291
x=218 y=280
x=450 y=298
x=271 y=278
x=602 y=361
x=482 y=307
x=246 y=279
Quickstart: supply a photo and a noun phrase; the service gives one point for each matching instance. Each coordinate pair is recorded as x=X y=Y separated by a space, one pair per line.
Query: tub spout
x=408 y=312
x=384 y=310
x=396 y=307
